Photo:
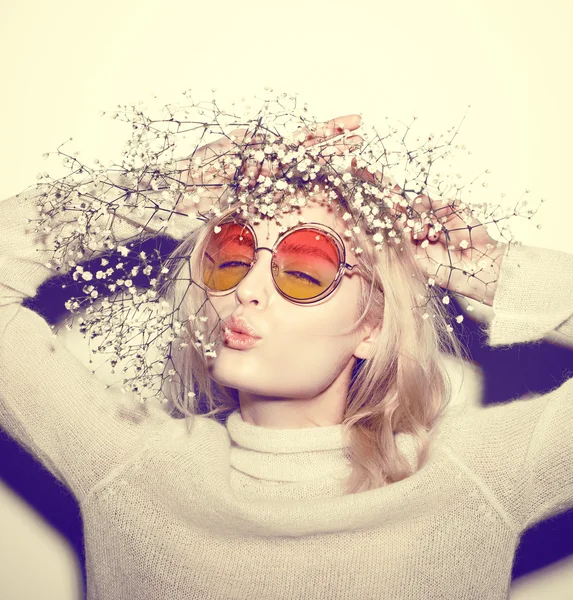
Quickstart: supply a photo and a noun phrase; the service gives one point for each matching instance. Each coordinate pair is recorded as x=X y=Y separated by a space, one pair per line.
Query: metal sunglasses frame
x=342 y=267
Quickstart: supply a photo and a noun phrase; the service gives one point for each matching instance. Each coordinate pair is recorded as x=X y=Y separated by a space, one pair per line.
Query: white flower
x=446 y=299
x=464 y=244
x=460 y=318
x=87 y=276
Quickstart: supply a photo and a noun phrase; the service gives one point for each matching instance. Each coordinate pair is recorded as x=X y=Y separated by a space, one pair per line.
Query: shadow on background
x=508 y=372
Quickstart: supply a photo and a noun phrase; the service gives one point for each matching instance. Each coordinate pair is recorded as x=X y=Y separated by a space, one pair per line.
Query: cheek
x=295 y=329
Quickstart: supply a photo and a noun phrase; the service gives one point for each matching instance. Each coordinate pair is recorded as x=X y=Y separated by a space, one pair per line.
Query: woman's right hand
x=204 y=170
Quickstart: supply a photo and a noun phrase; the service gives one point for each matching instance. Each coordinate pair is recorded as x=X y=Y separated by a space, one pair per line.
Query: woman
x=338 y=472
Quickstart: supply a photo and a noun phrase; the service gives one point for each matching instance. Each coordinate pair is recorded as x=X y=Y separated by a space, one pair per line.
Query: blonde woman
x=338 y=468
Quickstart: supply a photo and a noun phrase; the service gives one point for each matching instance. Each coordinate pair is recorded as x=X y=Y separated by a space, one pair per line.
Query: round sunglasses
x=308 y=260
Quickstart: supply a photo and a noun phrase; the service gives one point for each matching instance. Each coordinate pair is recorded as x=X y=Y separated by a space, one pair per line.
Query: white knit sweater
x=245 y=512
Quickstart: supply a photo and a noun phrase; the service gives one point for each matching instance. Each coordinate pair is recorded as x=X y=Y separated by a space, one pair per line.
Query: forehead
x=318 y=209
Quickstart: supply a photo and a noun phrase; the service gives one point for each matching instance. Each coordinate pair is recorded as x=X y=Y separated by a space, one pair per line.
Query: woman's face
x=302 y=355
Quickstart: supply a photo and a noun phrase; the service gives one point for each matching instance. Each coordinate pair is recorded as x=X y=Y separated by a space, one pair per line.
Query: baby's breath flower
x=101 y=213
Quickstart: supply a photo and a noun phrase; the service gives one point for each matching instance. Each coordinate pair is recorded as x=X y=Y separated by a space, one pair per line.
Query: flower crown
x=105 y=215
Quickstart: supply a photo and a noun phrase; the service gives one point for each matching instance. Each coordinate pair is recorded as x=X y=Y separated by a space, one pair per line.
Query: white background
x=63 y=62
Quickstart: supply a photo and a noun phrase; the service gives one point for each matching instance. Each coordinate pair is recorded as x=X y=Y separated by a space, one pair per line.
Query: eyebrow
x=311 y=251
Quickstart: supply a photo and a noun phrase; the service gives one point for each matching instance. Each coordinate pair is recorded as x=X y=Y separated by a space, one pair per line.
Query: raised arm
x=533 y=297
x=49 y=402
x=522 y=451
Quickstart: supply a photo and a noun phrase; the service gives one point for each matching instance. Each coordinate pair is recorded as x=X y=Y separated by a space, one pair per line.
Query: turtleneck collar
x=286 y=454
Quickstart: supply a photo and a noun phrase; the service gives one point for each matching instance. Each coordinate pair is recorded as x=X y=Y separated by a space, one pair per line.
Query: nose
x=254 y=287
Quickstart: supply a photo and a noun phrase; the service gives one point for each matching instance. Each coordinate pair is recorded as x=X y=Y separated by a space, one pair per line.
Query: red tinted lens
x=306 y=263
x=227 y=257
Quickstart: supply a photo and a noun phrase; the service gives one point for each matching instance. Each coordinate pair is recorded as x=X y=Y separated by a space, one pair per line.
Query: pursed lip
x=240 y=325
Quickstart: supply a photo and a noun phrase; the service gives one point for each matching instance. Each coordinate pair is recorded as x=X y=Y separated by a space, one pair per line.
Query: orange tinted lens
x=227 y=257
x=306 y=263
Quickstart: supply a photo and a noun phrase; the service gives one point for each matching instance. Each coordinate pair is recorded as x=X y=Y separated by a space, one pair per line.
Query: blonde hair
x=403 y=387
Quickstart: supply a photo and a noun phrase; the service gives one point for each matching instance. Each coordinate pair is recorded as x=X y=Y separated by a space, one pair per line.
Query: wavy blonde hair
x=403 y=387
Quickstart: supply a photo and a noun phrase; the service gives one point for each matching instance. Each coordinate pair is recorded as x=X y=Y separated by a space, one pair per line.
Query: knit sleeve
x=521 y=452
x=50 y=402
x=534 y=297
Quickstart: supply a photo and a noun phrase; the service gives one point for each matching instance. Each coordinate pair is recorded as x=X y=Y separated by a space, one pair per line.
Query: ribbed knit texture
x=245 y=512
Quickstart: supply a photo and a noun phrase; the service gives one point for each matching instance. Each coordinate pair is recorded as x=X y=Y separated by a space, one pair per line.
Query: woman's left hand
x=466 y=259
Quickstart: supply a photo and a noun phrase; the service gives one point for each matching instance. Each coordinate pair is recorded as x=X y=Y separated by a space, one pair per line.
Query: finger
x=212 y=149
x=328 y=130
x=419 y=231
x=253 y=170
x=250 y=139
x=433 y=235
x=339 y=148
x=377 y=177
x=242 y=136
